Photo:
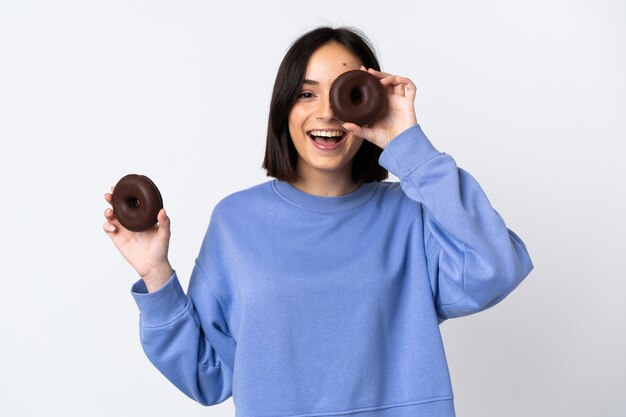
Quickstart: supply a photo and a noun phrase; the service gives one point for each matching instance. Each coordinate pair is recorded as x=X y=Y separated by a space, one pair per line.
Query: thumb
x=362 y=132
x=164 y=222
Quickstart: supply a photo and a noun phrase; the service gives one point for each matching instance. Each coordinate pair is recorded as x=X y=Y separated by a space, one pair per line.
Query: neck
x=326 y=184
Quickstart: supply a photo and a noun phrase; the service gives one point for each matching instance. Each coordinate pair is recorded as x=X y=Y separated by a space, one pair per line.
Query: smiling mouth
x=326 y=137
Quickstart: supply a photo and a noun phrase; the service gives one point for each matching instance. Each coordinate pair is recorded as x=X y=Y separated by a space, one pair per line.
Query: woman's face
x=312 y=116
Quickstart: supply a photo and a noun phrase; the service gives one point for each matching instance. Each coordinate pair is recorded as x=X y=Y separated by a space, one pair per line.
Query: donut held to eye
x=358 y=97
x=136 y=202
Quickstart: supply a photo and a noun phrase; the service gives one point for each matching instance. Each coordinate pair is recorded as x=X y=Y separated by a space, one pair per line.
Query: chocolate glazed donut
x=136 y=202
x=357 y=96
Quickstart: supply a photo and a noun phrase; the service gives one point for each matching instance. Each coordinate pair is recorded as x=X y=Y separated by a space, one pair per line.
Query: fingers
x=362 y=132
x=353 y=128
x=401 y=86
x=411 y=90
x=378 y=74
x=109 y=196
x=109 y=227
x=109 y=214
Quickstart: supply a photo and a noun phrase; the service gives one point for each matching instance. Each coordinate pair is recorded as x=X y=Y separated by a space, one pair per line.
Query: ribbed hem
x=438 y=407
x=407 y=151
x=162 y=306
x=301 y=199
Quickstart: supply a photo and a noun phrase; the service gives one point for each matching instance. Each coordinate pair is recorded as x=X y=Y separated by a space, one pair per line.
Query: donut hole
x=133 y=202
x=356 y=96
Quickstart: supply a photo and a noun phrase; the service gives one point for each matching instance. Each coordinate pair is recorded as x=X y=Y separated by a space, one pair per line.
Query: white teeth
x=327 y=133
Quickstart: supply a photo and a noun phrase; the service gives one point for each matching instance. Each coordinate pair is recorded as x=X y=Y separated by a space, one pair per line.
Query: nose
x=324 y=111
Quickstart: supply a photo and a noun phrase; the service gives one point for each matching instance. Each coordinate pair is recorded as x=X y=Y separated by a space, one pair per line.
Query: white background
x=529 y=97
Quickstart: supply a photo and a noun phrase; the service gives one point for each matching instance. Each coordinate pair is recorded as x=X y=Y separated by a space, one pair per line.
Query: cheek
x=355 y=141
x=293 y=117
x=355 y=145
x=296 y=121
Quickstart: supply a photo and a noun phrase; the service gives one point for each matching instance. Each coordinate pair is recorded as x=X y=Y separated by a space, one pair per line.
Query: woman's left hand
x=399 y=114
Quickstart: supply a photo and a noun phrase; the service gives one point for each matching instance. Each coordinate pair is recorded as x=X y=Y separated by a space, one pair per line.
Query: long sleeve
x=182 y=340
x=474 y=260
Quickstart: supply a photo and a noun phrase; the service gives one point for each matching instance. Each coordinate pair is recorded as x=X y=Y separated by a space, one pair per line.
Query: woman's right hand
x=145 y=251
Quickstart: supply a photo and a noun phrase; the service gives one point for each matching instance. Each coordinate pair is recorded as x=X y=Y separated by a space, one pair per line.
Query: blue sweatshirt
x=301 y=305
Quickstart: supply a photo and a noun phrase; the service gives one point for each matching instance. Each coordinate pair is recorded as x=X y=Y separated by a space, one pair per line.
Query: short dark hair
x=281 y=156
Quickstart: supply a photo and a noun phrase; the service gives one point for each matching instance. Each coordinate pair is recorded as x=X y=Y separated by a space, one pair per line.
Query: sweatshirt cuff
x=407 y=151
x=162 y=306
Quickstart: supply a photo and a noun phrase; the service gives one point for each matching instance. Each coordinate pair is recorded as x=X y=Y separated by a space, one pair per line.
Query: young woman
x=320 y=292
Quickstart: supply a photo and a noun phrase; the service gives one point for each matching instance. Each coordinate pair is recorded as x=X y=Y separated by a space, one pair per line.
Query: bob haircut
x=281 y=156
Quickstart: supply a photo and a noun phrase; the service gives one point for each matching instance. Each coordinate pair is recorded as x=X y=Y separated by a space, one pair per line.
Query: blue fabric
x=301 y=305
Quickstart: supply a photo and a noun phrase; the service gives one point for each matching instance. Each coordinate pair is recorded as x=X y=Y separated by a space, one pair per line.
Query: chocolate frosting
x=357 y=96
x=136 y=202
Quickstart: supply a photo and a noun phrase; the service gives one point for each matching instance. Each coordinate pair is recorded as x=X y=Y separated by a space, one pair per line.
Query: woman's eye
x=305 y=94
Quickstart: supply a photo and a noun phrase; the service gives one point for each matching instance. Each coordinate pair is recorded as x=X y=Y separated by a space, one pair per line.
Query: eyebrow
x=310 y=82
